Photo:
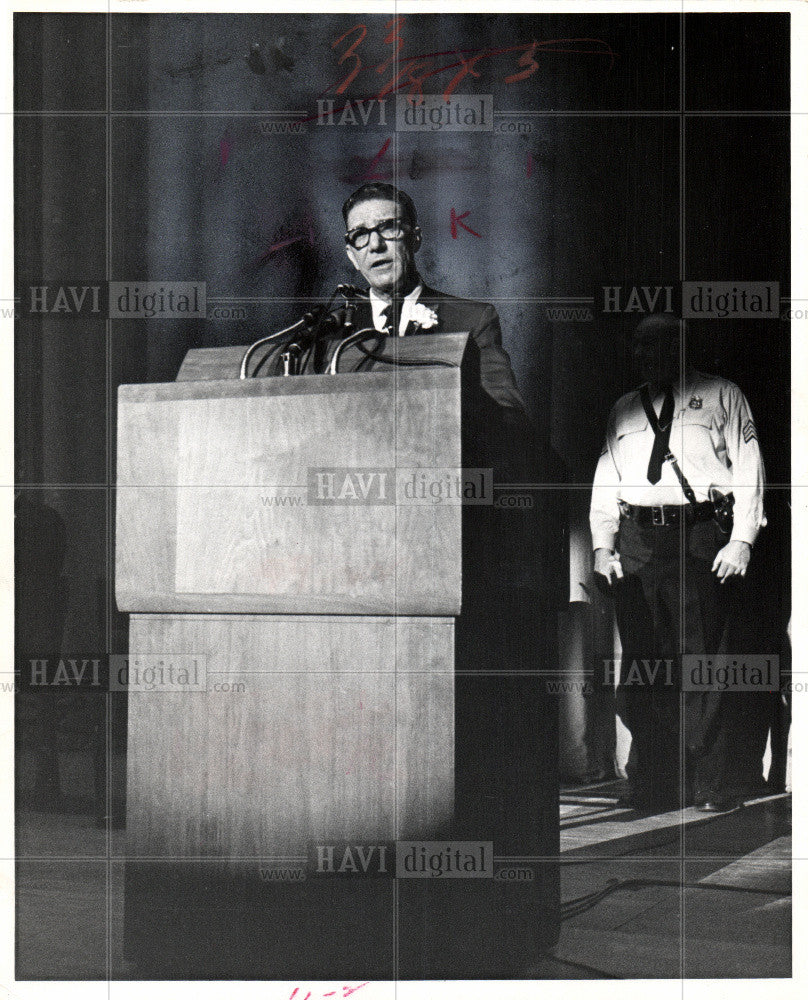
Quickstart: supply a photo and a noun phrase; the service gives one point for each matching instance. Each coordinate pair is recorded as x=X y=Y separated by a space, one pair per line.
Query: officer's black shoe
x=728 y=804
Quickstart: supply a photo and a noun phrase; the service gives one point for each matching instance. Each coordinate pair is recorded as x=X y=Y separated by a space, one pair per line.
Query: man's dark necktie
x=661 y=426
x=391 y=316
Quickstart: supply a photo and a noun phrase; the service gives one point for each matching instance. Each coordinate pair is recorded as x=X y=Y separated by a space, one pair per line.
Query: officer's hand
x=607 y=563
x=732 y=560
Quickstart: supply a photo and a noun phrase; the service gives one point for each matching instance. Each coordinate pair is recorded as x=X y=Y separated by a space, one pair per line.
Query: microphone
x=334 y=321
x=321 y=321
x=317 y=322
x=351 y=293
x=348 y=322
x=318 y=319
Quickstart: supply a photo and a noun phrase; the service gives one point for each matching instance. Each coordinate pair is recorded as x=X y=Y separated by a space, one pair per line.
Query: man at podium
x=381 y=240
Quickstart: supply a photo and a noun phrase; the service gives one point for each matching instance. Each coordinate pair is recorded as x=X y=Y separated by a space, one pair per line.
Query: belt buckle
x=658 y=517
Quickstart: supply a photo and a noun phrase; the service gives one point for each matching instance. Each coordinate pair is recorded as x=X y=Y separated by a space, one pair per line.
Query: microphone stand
x=245 y=360
x=346 y=342
x=303 y=334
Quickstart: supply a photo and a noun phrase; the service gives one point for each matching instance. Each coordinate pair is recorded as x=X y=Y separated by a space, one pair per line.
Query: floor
x=682 y=894
x=677 y=895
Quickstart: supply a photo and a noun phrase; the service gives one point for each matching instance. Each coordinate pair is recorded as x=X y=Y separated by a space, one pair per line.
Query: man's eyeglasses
x=388 y=229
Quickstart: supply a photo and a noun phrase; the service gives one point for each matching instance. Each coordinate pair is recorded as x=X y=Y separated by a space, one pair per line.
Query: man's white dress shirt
x=378 y=305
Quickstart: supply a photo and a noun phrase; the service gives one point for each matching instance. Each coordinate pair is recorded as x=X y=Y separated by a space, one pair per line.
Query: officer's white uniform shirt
x=715 y=442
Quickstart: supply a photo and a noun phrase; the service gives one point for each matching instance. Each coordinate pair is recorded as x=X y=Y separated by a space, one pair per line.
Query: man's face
x=388 y=265
x=655 y=351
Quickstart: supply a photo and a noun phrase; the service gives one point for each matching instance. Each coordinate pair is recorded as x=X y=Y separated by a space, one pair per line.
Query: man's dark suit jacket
x=482 y=322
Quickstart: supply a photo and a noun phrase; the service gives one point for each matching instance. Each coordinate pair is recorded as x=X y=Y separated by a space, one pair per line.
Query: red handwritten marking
x=306 y=224
x=416 y=165
x=457 y=220
x=279 y=246
x=224 y=152
x=377 y=159
x=371 y=174
x=350 y=51
x=466 y=69
x=346 y=992
x=467 y=65
x=527 y=60
x=392 y=36
x=406 y=76
x=410 y=77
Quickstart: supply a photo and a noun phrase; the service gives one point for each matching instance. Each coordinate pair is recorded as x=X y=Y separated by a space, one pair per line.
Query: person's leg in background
x=718 y=723
x=646 y=603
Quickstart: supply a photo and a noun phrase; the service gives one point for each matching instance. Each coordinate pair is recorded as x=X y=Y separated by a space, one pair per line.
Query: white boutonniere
x=423 y=317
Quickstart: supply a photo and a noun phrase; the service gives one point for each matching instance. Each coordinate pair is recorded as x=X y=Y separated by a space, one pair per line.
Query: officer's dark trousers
x=670 y=603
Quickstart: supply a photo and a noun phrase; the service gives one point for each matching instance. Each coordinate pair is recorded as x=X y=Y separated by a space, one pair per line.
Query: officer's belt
x=660 y=517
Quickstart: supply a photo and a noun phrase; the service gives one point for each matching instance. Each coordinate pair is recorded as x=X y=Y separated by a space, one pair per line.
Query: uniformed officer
x=677 y=504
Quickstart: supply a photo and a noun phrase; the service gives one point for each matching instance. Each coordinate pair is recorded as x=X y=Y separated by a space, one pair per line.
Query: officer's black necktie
x=661 y=426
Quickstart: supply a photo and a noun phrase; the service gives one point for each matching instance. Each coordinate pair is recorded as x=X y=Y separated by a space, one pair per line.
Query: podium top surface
x=368 y=384
x=213 y=363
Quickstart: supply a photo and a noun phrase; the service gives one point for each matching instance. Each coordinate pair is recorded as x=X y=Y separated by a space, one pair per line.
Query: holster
x=723 y=504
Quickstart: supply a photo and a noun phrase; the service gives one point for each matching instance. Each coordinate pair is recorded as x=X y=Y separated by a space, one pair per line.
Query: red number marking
x=526 y=59
x=350 y=51
x=411 y=78
x=392 y=36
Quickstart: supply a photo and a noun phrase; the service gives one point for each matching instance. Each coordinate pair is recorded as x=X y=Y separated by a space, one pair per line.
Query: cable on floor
x=581 y=904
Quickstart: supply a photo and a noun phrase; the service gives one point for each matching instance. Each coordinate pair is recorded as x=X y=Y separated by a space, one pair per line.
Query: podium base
x=200 y=920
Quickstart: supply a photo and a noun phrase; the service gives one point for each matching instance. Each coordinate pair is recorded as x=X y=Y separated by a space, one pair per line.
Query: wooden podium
x=293 y=582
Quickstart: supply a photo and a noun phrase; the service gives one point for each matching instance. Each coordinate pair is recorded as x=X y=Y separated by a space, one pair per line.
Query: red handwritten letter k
x=457 y=220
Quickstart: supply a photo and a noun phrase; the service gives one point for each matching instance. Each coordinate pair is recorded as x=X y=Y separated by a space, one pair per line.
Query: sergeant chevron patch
x=749 y=431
